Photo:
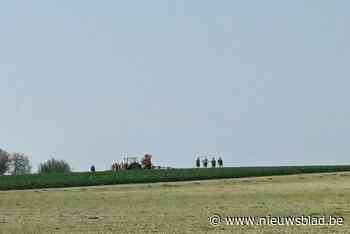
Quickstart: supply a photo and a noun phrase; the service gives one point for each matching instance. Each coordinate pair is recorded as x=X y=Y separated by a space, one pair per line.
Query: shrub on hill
x=54 y=166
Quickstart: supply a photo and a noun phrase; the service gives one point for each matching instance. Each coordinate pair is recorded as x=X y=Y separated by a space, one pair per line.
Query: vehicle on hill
x=134 y=163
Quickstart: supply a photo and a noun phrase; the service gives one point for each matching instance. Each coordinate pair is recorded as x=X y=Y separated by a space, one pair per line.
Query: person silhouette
x=213 y=163
x=220 y=162
x=205 y=162
x=92 y=168
x=198 y=162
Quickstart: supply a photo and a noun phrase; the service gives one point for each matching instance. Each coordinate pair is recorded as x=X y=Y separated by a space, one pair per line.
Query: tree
x=54 y=166
x=20 y=164
x=4 y=161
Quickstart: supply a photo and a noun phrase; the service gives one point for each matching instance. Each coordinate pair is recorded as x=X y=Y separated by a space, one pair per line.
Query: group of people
x=205 y=162
x=119 y=166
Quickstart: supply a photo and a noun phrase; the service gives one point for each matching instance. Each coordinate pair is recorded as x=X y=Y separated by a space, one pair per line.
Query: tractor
x=133 y=163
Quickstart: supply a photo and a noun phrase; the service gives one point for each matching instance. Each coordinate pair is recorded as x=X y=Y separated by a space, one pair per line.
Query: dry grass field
x=182 y=207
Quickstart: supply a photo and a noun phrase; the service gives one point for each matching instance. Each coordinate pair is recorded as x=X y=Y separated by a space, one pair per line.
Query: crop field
x=179 y=207
x=148 y=176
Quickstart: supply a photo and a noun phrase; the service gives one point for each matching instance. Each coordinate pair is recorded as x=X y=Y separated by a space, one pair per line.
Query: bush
x=54 y=166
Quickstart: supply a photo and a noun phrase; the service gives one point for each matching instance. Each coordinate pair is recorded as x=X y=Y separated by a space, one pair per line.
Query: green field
x=178 y=207
x=149 y=176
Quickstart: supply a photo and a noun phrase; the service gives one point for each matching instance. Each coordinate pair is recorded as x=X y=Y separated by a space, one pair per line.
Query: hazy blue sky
x=262 y=82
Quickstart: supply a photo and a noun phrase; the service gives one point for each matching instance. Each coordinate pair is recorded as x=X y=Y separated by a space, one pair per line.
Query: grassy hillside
x=148 y=176
x=181 y=207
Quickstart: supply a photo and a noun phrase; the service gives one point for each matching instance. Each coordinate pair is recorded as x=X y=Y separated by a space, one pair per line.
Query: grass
x=178 y=207
x=148 y=176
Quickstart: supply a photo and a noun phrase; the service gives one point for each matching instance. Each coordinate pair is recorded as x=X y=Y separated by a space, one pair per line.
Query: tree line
x=19 y=164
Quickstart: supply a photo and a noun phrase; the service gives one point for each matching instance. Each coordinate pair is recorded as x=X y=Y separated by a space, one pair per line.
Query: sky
x=257 y=82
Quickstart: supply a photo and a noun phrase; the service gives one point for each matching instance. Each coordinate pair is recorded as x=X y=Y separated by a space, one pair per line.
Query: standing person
x=92 y=168
x=213 y=163
x=205 y=162
x=220 y=162
x=198 y=162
